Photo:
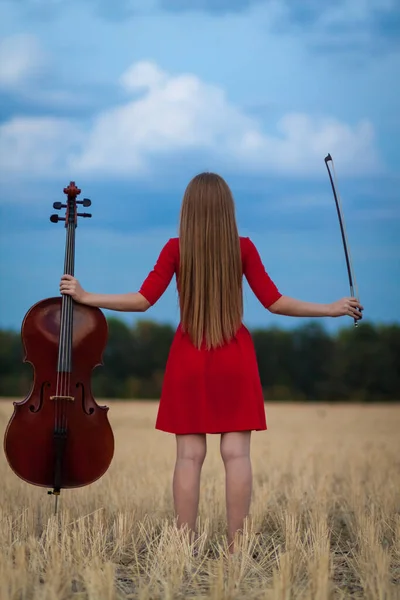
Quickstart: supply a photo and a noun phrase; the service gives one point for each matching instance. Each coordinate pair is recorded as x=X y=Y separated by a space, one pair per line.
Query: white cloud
x=38 y=145
x=21 y=60
x=183 y=114
x=143 y=75
x=23 y=67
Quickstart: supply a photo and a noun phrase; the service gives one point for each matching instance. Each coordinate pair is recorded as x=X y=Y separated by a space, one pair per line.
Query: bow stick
x=350 y=270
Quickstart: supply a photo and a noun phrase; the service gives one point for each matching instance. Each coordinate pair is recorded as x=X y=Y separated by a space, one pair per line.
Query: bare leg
x=235 y=452
x=190 y=454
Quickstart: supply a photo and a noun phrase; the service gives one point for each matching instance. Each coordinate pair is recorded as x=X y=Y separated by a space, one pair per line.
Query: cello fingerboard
x=64 y=364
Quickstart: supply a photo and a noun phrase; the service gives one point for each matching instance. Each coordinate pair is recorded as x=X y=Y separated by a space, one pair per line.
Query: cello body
x=59 y=436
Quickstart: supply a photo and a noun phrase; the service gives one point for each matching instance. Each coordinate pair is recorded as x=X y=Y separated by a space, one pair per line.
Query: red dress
x=218 y=390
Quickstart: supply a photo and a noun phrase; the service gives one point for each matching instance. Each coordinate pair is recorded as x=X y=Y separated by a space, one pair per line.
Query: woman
x=211 y=382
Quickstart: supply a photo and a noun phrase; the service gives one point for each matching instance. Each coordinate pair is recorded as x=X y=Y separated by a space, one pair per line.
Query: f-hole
x=91 y=410
x=32 y=407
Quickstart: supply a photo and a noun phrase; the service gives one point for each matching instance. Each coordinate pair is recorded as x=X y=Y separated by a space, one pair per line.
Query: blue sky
x=131 y=98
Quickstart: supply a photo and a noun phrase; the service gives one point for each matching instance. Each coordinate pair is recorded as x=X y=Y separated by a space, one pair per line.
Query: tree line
x=302 y=364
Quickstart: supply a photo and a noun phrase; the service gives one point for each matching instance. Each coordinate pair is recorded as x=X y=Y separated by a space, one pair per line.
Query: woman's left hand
x=71 y=286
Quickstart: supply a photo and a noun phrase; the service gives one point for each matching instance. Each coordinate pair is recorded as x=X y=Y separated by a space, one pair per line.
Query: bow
x=350 y=270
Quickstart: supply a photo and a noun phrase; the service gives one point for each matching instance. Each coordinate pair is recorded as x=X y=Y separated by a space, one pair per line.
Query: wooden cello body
x=59 y=437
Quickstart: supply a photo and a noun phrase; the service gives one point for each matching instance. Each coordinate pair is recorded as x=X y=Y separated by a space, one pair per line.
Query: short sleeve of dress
x=160 y=277
x=259 y=281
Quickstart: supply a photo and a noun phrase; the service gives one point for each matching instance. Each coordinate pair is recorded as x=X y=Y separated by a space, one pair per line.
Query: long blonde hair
x=210 y=272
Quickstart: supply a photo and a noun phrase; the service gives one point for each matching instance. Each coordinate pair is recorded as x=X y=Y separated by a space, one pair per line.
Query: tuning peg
x=86 y=202
x=58 y=205
x=56 y=218
x=83 y=215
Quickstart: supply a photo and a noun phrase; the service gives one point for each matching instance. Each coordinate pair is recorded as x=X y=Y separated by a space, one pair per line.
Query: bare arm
x=130 y=302
x=297 y=308
x=152 y=288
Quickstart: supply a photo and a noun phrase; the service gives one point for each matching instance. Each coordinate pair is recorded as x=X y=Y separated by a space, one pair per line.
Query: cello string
x=65 y=316
x=63 y=328
x=355 y=289
x=58 y=381
x=61 y=358
x=66 y=335
x=69 y=318
x=60 y=363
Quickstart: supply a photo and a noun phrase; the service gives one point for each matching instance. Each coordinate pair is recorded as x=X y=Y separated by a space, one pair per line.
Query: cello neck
x=70 y=225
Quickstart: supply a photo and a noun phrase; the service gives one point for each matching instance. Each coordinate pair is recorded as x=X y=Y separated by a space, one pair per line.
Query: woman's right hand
x=347 y=306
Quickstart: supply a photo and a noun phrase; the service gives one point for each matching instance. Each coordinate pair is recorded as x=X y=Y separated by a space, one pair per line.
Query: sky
x=132 y=98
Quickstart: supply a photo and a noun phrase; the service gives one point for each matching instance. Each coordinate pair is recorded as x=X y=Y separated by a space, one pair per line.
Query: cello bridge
x=68 y=398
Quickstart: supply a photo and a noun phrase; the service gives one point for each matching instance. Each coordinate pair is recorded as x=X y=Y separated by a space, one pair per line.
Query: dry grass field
x=325 y=517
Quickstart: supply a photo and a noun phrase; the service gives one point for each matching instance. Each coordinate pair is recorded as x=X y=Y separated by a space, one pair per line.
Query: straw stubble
x=325 y=520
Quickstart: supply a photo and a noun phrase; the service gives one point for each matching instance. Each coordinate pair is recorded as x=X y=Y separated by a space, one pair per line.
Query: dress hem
x=212 y=432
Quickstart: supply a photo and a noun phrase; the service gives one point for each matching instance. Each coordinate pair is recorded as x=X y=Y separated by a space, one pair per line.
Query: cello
x=59 y=437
